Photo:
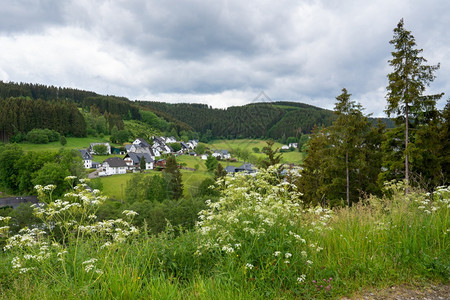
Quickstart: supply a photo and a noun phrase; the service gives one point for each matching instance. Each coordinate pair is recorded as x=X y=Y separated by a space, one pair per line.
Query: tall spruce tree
x=347 y=134
x=343 y=160
x=312 y=181
x=407 y=83
x=173 y=174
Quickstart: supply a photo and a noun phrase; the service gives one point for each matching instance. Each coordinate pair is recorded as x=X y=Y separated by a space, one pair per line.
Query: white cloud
x=221 y=53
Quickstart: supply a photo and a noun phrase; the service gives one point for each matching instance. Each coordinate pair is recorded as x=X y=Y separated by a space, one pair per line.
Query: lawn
x=248 y=144
x=72 y=143
x=191 y=181
x=112 y=185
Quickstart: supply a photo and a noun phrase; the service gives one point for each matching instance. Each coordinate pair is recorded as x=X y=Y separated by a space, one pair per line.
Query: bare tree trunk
x=406 y=148
x=348 y=178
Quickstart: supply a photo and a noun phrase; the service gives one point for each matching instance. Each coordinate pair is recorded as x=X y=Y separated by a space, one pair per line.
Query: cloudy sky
x=219 y=52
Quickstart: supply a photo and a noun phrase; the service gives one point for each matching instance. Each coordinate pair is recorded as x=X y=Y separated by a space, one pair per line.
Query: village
x=143 y=155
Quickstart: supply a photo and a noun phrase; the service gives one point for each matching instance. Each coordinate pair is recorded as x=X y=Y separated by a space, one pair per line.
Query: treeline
x=20 y=171
x=258 y=120
x=21 y=115
x=70 y=112
x=353 y=158
x=83 y=99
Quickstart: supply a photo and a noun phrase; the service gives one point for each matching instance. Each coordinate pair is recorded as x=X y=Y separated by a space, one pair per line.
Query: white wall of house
x=88 y=163
x=114 y=170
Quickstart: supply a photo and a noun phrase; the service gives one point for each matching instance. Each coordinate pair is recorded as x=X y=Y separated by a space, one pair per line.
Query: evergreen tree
x=407 y=84
x=272 y=157
x=347 y=137
x=343 y=160
x=219 y=172
x=174 y=177
x=142 y=163
x=312 y=180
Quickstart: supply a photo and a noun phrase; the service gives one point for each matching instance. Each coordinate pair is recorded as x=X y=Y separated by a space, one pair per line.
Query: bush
x=42 y=136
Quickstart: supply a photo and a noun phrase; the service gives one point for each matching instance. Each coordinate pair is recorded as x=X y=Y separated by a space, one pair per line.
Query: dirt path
x=430 y=292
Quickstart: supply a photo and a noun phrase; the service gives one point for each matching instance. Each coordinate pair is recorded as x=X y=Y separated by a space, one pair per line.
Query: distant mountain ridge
x=256 y=120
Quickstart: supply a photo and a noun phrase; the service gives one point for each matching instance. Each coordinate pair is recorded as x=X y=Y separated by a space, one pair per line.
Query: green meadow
x=72 y=143
x=269 y=246
x=295 y=156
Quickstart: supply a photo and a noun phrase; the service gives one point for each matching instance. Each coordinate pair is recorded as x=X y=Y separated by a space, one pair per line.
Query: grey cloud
x=297 y=50
x=29 y=15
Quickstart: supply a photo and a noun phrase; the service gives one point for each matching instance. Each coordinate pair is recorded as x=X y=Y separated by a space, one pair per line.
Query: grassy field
x=194 y=161
x=72 y=143
x=112 y=185
x=248 y=144
x=191 y=180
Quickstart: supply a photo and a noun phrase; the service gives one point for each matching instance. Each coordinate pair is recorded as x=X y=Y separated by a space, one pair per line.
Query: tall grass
x=293 y=252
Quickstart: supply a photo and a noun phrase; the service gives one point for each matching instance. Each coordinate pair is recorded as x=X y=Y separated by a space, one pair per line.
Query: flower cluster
x=324 y=285
x=262 y=215
x=67 y=221
x=430 y=204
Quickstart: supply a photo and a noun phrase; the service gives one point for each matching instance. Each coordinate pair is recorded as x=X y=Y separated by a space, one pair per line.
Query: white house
x=87 y=158
x=293 y=145
x=204 y=156
x=285 y=147
x=170 y=140
x=141 y=142
x=192 y=144
x=221 y=154
x=112 y=166
x=133 y=160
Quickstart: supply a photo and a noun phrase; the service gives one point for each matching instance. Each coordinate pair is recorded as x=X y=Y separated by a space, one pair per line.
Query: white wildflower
x=301 y=278
x=130 y=213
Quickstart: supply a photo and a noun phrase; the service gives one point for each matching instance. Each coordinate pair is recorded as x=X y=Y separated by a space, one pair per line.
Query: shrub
x=42 y=136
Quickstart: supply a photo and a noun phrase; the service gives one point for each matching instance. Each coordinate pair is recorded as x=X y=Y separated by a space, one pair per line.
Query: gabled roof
x=85 y=154
x=136 y=157
x=143 y=142
x=115 y=162
x=230 y=169
x=245 y=167
x=158 y=140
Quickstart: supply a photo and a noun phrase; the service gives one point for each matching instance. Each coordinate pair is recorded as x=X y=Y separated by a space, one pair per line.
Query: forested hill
x=274 y=120
x=111 y=104
x=27 y=106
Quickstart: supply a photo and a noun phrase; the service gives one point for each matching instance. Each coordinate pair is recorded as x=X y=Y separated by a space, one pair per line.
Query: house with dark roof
x=160 y=164
x=141 y=142
x=87 y=158
x=184 y=146
x=221 y=154
x=245 y=168
x=170 y=140
x=133 y=160
x=112 y=166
